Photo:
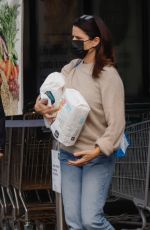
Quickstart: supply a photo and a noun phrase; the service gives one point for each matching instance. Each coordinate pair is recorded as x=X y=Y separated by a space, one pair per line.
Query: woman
x=87 y=167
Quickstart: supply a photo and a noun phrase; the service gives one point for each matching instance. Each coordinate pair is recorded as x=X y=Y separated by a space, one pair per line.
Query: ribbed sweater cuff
x=105 y=146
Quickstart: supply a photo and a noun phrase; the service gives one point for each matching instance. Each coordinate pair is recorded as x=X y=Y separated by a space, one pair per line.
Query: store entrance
x=47 y=40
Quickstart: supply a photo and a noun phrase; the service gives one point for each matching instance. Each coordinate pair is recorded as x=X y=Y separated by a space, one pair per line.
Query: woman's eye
x=76 y=38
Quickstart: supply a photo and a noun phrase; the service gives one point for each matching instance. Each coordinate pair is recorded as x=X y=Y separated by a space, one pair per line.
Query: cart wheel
x=17 y=226
x=6 y=226
x=28 y=226
x=40 y=226
x=13 y=225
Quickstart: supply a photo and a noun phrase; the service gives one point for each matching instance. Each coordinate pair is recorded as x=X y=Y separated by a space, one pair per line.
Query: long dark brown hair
x=94 y=26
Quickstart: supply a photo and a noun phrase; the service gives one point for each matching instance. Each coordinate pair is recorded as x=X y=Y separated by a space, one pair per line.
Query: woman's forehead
x=76 y=31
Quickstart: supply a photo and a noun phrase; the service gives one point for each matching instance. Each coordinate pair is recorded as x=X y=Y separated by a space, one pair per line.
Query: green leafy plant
x=8 y=54
x=9 y=29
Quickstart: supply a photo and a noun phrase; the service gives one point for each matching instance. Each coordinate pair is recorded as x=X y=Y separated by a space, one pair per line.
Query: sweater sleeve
x=112 y=93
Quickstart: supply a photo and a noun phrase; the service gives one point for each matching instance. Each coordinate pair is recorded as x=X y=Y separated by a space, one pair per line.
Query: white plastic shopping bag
x=71 y=117
x=52 y=90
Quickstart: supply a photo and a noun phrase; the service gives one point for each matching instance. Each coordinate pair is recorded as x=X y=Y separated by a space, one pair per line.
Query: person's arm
x=112 y=93
x=2 y=129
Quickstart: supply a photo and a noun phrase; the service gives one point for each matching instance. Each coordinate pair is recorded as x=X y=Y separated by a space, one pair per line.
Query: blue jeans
x=84 y=192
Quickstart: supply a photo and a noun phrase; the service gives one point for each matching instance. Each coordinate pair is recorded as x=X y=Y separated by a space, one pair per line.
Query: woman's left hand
x=86 y=157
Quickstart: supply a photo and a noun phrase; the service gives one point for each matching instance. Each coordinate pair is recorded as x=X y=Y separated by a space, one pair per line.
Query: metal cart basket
x=6 y=201
x=26 y=174
x=131 y=179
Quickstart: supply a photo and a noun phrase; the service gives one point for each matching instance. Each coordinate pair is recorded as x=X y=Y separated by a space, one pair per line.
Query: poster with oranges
x=11 y=56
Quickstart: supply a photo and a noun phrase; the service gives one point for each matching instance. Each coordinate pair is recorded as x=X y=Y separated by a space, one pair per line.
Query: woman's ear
x=96 y=41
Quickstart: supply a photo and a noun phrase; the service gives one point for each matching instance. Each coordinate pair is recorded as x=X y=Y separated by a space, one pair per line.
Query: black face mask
x=78 y=48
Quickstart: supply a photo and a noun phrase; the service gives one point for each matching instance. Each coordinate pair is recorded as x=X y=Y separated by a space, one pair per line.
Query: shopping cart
x=131 y=179
x=137 y=112
x=30 y=171
x=6 y=202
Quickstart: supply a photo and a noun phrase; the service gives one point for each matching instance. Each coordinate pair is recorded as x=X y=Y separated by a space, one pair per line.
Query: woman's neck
x=90 y=57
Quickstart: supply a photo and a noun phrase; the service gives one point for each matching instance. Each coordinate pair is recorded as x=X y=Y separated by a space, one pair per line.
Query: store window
x=54 y=22
x=128 y=24
x=50 y=29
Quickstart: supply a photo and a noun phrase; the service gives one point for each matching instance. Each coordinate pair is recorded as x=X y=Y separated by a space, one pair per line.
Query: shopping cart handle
x=24 y=123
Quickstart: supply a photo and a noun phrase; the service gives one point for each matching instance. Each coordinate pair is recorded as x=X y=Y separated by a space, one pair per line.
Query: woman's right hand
x=47 y=111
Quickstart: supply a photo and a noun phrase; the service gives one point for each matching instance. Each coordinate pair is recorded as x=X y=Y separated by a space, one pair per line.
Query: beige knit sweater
x=105 y=96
